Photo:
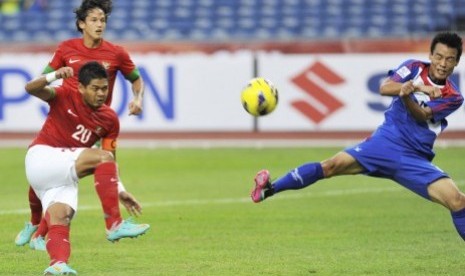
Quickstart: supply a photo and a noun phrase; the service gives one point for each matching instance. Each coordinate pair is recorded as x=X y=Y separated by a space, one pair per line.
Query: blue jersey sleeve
x=444 y=106
x=406 y=71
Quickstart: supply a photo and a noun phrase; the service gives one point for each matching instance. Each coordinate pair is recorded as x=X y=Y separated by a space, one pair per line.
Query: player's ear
x=81 y=88
x=430 y=57
x=81 y=24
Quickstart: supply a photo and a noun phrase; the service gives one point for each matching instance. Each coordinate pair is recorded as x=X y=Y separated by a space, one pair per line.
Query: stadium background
x=325 y=57
x=196 y=56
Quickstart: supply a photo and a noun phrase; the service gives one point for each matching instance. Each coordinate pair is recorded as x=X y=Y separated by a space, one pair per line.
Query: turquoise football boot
x=60 y=268
x=25 y=235
x=38 y=244
x=127 y=229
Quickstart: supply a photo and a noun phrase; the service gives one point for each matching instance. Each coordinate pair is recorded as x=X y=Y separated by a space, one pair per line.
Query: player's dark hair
x=88 y=5
x=452 y=40
x=91 y=70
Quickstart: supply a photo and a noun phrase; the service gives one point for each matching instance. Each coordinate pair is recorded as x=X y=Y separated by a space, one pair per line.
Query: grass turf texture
x=203 y=222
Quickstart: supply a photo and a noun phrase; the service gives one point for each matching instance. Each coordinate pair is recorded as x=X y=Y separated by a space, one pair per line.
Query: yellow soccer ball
x=259 y=97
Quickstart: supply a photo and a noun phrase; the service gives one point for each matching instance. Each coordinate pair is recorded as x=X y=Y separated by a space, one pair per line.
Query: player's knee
x=60 y=214
x=456 y=202
x=106 y=156
x=64 y=219
x=341 y=163
x=329 y=167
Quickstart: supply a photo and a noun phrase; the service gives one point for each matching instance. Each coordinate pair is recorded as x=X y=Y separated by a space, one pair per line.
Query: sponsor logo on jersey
x=71 y=61
x=72 y=113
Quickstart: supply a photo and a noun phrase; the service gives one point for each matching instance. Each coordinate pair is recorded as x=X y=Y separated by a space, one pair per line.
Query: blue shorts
x=381 y=157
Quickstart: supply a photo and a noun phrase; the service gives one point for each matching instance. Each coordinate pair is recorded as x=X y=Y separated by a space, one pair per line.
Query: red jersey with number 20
x=71 y=123
x=74 y=53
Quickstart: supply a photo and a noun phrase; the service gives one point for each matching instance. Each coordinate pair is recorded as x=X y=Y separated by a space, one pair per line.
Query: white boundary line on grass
x=234 y=143
x=196 y=202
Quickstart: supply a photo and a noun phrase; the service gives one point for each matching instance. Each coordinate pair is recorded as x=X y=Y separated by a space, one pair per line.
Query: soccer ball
x=259 y=97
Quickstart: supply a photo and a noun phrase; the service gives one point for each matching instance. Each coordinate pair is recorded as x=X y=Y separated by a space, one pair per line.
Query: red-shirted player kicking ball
x=91 y=18
x=62 y=153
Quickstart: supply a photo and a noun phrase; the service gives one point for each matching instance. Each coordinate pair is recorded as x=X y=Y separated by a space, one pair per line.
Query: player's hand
x=406 y=89
x=130 y=203
x=432 y=91
x=135 y=107
x=64 y=72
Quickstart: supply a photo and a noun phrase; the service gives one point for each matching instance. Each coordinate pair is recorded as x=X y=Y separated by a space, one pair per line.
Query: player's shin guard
x=106 y=185
x=458 y=218
x=58 y=246
x=299 y=178
x=36 y=207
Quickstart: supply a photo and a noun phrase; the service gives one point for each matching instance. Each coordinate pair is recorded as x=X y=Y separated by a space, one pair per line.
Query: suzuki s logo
x=314 y=81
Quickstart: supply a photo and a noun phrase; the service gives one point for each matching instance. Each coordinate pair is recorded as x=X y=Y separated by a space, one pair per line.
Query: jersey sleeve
x=406 y=71
x=127 y=66
x=451 y=100
x=444 y=106
x=56 y=91
x=56 y=62
x=114 y=131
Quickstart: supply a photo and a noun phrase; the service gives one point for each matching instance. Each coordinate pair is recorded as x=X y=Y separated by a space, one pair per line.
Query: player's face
x=443 y=61
x=95 y=94
x=94 y=25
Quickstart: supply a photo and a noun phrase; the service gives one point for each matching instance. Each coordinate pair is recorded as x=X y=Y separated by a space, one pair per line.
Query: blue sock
x=459 y=221
x=299 y=178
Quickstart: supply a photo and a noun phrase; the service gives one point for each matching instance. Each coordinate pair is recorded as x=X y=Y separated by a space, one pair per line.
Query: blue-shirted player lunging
x=401 y=148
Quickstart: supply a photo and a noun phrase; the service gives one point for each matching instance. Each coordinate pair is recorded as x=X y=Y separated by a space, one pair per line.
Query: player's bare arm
x=420 y=113
x=39 y=88
x=390 y=88
x=135 y=106
x=403 y=90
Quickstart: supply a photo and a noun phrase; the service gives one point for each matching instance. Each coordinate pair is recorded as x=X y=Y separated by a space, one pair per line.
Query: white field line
x=295 y=195
x=247 y=200
x=234 y=143
x=196 y=202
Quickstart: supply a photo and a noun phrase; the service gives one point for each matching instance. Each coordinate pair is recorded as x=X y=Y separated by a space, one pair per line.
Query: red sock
x=36 y=207
x=58 y=245
x=42 y=230
x=106 y=178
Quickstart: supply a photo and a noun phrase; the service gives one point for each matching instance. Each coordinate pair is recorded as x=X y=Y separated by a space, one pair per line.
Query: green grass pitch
x=203 y=222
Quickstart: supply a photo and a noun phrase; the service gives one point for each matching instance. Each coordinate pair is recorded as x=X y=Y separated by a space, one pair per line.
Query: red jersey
x=74 y=54
x=71 y=123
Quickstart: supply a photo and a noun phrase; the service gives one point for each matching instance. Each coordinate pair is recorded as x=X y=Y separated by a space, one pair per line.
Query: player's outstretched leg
x=127 y=229
x=298 y=178
x=106 y=186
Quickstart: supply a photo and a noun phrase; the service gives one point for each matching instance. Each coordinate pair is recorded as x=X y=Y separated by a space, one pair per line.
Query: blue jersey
x=401 y=148
x=400 y=126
